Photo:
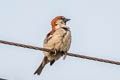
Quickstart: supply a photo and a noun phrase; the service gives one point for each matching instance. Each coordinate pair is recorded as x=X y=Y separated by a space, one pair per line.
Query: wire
x=69 y=54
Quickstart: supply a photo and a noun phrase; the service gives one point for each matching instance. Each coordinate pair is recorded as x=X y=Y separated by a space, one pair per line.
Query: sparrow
x=58 y=40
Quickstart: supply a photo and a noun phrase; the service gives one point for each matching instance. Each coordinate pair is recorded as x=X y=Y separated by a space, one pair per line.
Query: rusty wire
x=69 y=54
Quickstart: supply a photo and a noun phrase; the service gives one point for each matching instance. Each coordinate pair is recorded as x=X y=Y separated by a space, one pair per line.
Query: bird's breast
x=60 y=41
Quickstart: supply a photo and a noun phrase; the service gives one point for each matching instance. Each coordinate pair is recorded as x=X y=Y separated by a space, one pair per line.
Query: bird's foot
x=54 y=51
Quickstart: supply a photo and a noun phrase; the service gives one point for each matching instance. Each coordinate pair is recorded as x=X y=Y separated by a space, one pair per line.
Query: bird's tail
x=42 y=65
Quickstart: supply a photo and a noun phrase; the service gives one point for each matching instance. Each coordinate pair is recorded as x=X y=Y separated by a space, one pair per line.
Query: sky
x=95 y=27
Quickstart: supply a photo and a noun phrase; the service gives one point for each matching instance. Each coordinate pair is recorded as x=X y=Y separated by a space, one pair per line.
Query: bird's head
x=59 y=21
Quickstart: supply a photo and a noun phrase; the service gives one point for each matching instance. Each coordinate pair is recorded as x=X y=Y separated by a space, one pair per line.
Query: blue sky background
x=95 y=26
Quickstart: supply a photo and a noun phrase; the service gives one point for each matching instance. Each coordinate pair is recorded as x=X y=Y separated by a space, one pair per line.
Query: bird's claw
x=54 y=51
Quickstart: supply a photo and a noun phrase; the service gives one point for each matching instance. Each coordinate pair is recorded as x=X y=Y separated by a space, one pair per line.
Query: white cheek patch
x=59 y=26
x=58 y=21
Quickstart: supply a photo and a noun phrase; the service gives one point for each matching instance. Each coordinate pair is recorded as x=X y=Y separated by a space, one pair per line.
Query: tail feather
x=42 y=65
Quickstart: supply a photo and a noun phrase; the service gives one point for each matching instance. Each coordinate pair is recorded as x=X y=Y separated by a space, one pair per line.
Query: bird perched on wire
x=58 y=40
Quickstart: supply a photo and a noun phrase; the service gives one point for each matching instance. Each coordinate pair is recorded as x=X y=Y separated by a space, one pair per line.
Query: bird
x=58 y=40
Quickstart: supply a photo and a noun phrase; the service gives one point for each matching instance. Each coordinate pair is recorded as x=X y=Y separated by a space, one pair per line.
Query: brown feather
x=53 y=24
x=42 y=65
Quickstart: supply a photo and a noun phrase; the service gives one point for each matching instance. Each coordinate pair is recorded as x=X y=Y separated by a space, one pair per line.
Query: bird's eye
x=62 y=18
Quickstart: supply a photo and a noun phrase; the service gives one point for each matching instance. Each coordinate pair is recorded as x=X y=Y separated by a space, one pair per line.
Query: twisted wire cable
x=69 y=54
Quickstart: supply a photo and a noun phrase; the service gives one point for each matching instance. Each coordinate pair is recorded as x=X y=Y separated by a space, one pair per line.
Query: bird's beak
x=66 y=19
